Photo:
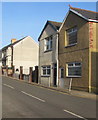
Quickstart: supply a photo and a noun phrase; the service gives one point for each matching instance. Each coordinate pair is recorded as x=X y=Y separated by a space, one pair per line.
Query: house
x=78 y=49
x=0 y=62
x=48 y=54
x=0 y=58
x=23 y=52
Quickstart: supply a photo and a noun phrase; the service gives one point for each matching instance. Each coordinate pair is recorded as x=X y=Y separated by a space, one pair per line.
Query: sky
x=20 y=19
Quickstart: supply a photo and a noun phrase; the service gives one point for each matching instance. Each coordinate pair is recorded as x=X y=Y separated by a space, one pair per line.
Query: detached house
x=23 y=52
x=48 y=54
x=78 y=49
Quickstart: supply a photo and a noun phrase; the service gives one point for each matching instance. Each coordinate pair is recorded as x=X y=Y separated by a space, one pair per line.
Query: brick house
x=78 y=49
x=48 y=54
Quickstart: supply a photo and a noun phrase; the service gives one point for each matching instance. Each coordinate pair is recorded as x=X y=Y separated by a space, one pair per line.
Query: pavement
x=72 y=92
x=22 y=100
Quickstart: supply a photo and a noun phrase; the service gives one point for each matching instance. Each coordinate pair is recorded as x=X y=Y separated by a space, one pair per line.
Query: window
x=74 y=69
x=72 y=36
x=48 y=43
x=46 y=70
x=62 y=72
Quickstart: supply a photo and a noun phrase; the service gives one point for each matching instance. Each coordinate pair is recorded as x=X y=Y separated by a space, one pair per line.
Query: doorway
x=55 y=74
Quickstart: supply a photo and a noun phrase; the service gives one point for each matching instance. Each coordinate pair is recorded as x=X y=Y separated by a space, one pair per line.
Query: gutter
x=89 y=20
x=57 y=59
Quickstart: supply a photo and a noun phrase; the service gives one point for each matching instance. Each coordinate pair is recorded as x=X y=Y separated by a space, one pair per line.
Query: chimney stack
x=13 y=40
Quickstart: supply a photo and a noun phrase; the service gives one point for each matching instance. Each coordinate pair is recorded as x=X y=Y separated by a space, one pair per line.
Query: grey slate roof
x=53 y=24
x=86 y=13
x=12 y=44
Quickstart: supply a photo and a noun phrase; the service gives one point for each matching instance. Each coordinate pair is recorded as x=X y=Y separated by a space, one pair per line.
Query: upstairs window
x=48 y=43
x=74 y=69
x=72 y=36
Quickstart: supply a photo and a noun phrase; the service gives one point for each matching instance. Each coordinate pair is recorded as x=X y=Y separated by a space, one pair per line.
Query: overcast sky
x=20 y=19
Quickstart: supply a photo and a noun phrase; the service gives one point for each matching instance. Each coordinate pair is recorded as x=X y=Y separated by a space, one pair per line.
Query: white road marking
x=75 y=114
x=9 y=86
x=33 y=96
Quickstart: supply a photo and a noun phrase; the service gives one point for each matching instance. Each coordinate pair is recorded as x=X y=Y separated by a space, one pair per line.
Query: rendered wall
x=76 y=53
x=47 y=58
x=25 y=53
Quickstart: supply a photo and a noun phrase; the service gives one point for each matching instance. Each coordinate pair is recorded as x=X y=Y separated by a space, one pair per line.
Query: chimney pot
x=13 y=40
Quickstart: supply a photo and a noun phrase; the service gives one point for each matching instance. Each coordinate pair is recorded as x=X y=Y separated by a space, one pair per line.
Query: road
x=22 y=100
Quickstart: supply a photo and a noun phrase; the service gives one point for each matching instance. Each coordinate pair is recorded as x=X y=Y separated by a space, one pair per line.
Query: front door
x=55 y=75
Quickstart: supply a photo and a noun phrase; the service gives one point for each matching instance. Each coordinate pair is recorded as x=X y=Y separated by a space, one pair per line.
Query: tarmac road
x=22 y=100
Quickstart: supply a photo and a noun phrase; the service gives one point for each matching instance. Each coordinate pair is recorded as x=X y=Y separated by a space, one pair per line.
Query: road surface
x=22 y=100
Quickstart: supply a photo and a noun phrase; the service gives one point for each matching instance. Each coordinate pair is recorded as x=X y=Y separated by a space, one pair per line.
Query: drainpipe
x=57 y=59
x=11 y=56
x=90 y=62
x=89 y=71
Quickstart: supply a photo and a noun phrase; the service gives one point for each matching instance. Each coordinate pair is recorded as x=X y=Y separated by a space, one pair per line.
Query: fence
x=23 y=74
x=8 y=71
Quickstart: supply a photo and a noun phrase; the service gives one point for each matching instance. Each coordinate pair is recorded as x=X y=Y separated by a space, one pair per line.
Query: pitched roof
x=53 y=24
x=11 y=44
x=86 y=13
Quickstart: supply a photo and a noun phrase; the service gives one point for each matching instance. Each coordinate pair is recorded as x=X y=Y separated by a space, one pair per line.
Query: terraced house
x=78 y=49
x=23 y=52
x=48 y=54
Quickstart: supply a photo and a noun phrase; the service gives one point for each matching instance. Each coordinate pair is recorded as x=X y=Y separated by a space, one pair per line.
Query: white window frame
x=61 y=72
x=48 y=41
x=73 y=66
x=72 y=30
x=48 y=67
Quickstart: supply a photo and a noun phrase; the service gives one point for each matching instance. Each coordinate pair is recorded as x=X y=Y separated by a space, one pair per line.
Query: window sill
x=73 y=76
x=70 y=45
x=45 y=75
x=47 y=50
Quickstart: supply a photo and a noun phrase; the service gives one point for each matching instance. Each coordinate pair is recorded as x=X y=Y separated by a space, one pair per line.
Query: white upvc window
x=48 y=43
x=46 y=70
x=61 y=72
x=74 y=69
x=72 y=35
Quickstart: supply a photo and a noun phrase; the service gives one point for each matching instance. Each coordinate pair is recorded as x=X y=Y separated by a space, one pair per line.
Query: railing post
x=36 y=74
x=21 y=72
x=6 y=70
x=13 y=71
x=2 y=71
x=30 y=74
